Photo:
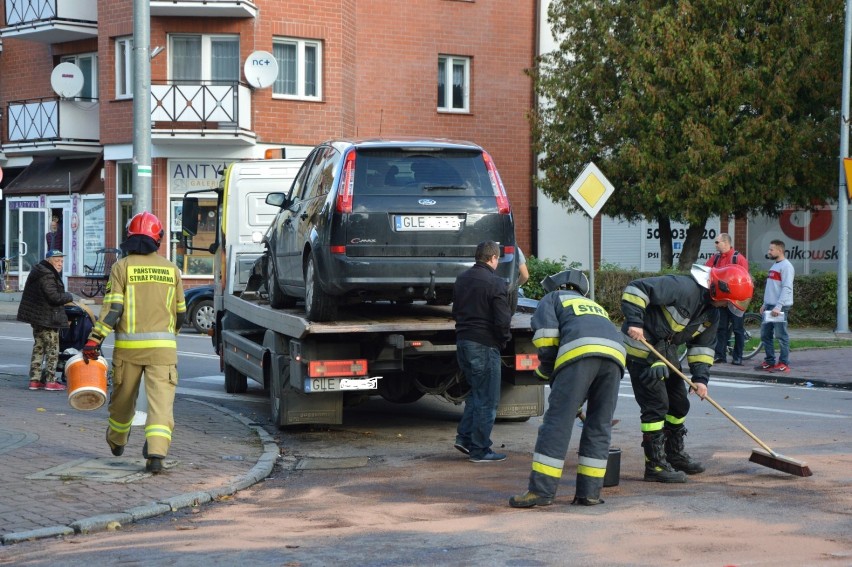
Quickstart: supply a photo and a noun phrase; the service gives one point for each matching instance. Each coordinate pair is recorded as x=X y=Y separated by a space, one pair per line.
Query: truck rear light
x=336 y=368
x=526 y=362
x=347 y=185
x=497 y=185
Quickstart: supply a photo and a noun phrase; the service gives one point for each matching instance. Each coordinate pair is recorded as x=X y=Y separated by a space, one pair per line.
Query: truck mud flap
x=300 y=409
x=520 y=401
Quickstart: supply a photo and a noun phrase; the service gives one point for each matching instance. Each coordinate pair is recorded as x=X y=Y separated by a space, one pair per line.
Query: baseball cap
x=54 y=254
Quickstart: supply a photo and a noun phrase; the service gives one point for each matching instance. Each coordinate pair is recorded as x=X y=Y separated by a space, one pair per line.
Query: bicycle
x=752 y=345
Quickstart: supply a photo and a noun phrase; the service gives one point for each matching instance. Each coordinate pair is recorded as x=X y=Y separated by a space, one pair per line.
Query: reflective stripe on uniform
x=595 y=468
x=145 y=340
x=675 y=420
x=114 y=298
x=594 y=345
x=651 y=427
x=636 y=296
x=635 y=348
x=170 y=296
x=676 y=321
x=130 y=317
x=546 y=337
x=547 y=466
x=700 y=354
x=120 y=427
x=158 y=431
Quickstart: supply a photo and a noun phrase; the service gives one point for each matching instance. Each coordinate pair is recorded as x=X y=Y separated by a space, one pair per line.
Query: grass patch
x=813 y=343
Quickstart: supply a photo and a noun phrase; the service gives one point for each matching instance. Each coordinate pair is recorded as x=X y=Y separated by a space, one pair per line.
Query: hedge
x=815 y=296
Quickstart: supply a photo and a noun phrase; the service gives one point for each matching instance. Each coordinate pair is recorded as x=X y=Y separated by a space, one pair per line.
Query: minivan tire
x=319 y=306
x=277 y=299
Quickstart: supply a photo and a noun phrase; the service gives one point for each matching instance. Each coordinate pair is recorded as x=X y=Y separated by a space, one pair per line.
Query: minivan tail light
x=347 y=185
x=497 y=185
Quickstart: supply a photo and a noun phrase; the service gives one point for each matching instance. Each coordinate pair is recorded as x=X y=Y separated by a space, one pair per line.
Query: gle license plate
x=340 y=384
x=410 y=223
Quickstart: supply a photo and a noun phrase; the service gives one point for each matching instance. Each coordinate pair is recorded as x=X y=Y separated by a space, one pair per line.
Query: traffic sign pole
x=591 y=191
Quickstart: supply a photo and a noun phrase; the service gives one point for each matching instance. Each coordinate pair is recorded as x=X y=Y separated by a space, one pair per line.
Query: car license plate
x=410 y=223
x=340 y=384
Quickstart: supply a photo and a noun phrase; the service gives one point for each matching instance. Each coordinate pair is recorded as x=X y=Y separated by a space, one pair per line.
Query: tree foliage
x=692 y=109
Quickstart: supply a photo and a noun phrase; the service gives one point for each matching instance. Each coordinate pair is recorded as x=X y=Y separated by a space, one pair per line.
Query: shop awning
x=57 y=176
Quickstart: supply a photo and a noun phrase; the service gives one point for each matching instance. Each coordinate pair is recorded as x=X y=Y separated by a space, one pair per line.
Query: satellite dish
x=260 y=69
x=66 y=80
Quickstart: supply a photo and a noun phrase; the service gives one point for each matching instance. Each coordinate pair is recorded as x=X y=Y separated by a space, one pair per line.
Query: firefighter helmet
x=146 y=224
x=732 y=284
x=569 y=279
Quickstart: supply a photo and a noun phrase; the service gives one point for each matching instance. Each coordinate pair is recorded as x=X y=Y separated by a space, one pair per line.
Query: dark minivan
x=390 y=220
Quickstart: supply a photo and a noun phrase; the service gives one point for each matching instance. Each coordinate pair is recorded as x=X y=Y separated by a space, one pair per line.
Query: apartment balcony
x=204 y=8
x=209 y=111
x=51 y=21
x=53 y=126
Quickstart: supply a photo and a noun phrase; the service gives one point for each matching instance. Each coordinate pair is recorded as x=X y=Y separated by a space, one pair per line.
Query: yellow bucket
x=87 y=383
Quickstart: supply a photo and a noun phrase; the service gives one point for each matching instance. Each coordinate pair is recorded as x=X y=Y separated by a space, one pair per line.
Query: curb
x=261 y=470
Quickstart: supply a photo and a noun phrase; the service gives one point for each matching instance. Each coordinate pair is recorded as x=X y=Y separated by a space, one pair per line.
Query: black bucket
x=613 y=467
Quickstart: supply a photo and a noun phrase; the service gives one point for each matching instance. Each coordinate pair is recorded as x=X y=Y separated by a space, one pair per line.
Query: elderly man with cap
x=43 y=307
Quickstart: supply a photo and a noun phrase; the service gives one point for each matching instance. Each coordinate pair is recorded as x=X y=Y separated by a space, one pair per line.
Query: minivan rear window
x=421 y=173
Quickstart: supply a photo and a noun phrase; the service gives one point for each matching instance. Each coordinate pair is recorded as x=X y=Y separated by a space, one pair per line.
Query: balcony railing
x=53 y=126
x=51 y=21
x=204 y=8
x=215 y=111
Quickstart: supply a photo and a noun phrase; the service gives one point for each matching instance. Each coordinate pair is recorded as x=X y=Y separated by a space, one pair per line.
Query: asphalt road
x=387 y=488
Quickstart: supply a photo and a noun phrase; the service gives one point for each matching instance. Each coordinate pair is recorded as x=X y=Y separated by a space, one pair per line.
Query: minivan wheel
x=319 y=306
x=277 y=299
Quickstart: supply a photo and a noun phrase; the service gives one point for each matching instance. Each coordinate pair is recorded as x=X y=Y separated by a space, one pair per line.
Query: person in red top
x=725 y=256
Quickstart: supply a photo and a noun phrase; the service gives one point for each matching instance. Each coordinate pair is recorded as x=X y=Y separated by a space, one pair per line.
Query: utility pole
x=141 y=106
x=842 y=196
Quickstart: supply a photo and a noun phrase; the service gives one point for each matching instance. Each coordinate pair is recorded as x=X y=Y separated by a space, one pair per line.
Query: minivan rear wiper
x=444 y=188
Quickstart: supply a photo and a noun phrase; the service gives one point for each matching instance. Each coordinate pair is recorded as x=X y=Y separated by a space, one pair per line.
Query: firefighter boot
x=676 y=456
x=657 y=469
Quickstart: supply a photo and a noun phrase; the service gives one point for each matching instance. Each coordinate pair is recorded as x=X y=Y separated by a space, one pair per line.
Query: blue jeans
x=481 y=367
x=771 y=331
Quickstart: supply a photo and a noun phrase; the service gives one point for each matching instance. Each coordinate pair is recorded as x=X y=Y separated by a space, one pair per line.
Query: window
x=124 y=67
x=299 y=68
x=197 y=58
x=124 y=196
x=453 y=83
x=88 y=64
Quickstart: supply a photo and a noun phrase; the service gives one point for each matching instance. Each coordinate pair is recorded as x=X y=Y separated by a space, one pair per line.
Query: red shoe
x=780 y=367
x=36 y=385
x=54 y=387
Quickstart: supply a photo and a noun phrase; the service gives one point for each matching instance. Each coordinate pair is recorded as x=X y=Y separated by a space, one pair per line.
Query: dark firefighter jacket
x=569 y=327
x=672 y=310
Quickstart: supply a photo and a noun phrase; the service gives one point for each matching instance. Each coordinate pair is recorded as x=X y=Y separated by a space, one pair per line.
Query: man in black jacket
x=481 y=311
x=42 y=306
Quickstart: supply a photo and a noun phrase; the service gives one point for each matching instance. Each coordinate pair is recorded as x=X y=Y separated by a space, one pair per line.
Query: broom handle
x=708 y=398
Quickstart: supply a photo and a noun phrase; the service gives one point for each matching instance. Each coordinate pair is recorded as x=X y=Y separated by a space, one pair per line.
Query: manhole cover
x=317 y=463
x=112 y=469
x=11 y=439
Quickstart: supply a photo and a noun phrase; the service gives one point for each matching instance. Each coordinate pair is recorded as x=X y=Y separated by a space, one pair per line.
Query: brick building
x=346 y=68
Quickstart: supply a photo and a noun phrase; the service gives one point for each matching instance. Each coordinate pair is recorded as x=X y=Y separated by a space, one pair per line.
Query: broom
x=766 y=457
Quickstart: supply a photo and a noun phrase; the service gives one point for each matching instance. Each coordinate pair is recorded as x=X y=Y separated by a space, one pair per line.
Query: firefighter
x=144 y=305
x=669 y=311
x=582 y=355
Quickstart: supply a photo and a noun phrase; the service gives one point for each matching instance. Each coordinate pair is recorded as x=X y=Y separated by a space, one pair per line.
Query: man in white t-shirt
x=777 y=299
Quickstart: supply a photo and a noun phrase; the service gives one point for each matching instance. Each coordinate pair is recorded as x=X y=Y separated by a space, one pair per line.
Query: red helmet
x=146 y=224
x=732 y=284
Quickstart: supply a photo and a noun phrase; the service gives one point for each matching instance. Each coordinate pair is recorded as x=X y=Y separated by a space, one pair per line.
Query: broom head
x=780 y=463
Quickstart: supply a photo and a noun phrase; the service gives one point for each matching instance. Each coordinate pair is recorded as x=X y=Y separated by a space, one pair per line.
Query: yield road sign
x=591 y=190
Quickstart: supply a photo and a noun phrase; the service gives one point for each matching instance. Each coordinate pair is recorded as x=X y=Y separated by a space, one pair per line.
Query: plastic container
x=87 y=383
x=613 y=467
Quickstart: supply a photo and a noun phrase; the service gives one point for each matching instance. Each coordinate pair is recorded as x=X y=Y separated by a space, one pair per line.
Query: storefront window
x=94 y=219
x=195 y=262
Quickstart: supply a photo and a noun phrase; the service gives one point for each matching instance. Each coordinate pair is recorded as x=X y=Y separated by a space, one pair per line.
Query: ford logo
x=427 y=202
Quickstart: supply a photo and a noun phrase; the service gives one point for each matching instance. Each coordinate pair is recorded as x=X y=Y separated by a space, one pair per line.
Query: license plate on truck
x=410 y=223
x=313 y=385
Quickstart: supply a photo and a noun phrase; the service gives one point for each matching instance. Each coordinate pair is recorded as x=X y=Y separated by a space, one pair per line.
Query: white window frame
x=123 y=195
x=124 y=67
x=450 y=61
x=206 y=52
x=93 y=78
x=300 y=68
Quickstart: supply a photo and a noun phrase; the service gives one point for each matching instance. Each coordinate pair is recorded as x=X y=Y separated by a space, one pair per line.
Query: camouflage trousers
x=45 y=353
